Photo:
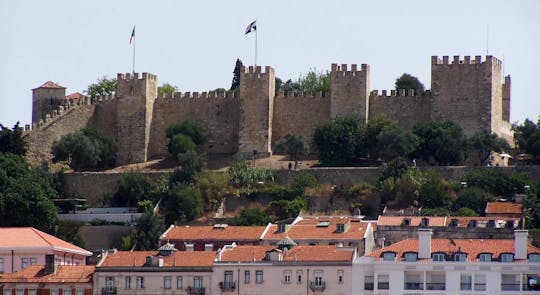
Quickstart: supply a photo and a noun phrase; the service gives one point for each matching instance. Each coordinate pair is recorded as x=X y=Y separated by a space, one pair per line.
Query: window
x=424 y=222
x=299 y=277
x=247 y=277
x=368 y=283
x=1 y=265
x=109 y=282
x=54 y=291
x=389 y=256
x=34 y=292
x=128 y=282
x=8 y=292
x=507 y=257
x=20 y=292
x=438 y=257
x=479 y=282
x=410 y=256
x=27 y=261
x=465 y=282
x=454 y=223
x=340 y=276
x=66 y=291
x=228 y=280
x=484 y=257
x=460 y=257
x=179 y=282
x=383 y=282
x=79 y=291
x=318 y=280
x=167 y=282
x=140 y=282
x=287 y=277
x=197 y=282
x=258 y=276
x=340 y=227
x=534 y=257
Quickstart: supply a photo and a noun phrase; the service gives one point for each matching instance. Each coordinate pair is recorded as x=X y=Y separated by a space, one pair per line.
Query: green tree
x=241 y=174
x=394 y=142
x=283 y=209
x=441 y=143
x=180 y=144
x=252 y=216
x=166 y=89
x=483 y=142
x=394 y=169
x=473 y=198
x=403 y=191
x=182 y=203
x=434 y=192
x=133 y=188
x=370 y=147
x=103 y=86
x=25 y=195
x=407 y=81
x=527 y=138
x=213 y=187
x=315 y=81
x=235 y=84
x=149 y=228
x=288 y=87
x=337 y=142
x=293 y=145
x=464 y=211
x=189 y=128
x=303 y=181
x=85 y=149
x=11 y=140
x=499 y=182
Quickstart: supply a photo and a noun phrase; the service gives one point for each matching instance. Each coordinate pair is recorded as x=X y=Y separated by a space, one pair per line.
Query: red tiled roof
x=29 y=237
x=463 y=221
x=64 y=274
x=179 y=259
x=472 y=247
x=76 y=95
x=504 y=208
x=51 y=85
x=307 y=229
x=229 y=233
x=297 y=253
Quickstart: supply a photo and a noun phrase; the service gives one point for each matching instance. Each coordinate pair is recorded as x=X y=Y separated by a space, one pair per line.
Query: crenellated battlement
x=400 y=93
x=343 y=69
x=300 y=94
x=198 y=95
x=467 y=60
x=136 y=76
x=256 y=71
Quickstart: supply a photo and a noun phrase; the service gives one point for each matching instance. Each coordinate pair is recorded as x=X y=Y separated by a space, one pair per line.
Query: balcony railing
x=510 y=287
x=195 y=291
x=414 y=286
x=317 y=286
x=227 y=286
x=368 y=286
x=383 y=285
x=108 y=291
x=435 y=286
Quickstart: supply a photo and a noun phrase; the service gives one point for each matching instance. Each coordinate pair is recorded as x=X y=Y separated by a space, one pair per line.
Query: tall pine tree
x=236 y=78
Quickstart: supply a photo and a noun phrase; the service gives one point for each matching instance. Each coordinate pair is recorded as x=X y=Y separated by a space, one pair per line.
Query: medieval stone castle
x=471 y=92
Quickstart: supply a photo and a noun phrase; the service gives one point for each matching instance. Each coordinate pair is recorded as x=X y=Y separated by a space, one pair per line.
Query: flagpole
x=256 y=30
x=134 y=42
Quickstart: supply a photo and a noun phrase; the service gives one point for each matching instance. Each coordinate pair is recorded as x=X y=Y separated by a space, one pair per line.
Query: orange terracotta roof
x=308 y=229
x=244 y=253
x=472 y=247
x=463 y=221
x=64 y=274
x=50 y=85
x=179 y=259
x=504 y=208
x=29 y=237
x=76 y=95
x=229 y=233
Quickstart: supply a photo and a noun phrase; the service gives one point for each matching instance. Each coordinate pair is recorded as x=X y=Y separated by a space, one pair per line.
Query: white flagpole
x=134 y=42
x=256 y=30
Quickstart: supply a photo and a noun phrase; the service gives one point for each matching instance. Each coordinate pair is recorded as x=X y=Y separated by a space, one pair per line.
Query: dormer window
x=454 y=223
x=506 y=257
x=535 y=258
x=461 y=257
x=491 y=224
x=410 y=257
x=510 y=224
x=340 y=228
x=389 y=256
x=472 y=223
x=438 y=257
x=406 y=222
x=281 y=227
x=485 y=257
x=424 y=222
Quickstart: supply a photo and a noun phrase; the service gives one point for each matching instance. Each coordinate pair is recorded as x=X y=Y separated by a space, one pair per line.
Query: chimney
x=521 y=243
x=50 y=264
x=424 y=243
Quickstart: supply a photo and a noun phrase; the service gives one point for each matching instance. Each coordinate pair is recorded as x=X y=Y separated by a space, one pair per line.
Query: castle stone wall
x=217 y=113
x=104 y=117
x=507 y=86
x=299 y=114
x=44 y=101
x=405 y=108
x=349 y=91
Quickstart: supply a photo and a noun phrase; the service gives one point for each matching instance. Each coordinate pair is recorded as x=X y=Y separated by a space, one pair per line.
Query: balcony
x=317 y=287
x=383 y=285
x=195 y=291
x=108 y=291
x=368 y=285
x=414 y=286
x=227 y=286
x=435 y=286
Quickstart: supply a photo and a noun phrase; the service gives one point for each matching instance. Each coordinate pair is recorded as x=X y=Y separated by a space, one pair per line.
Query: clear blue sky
x=194 y=44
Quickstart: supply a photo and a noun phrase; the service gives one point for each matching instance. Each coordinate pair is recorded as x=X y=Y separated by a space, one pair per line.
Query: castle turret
x=349 y=91
x=507 y=86
x=257 y=91
x=135 y=103
x=45 y=99
x=468 y=92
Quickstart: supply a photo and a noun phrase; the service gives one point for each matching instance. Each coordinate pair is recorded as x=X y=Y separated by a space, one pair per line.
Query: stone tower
x=349 y=91
x=134 y=108
x=257 y=91
x=45 y=99
x=469 y=92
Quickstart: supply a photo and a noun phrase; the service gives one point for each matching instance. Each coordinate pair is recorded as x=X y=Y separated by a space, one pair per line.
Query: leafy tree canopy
x=442 y=143
x=337 y=142
x=132 y=189
x=145 y=236
x=394 y=142
x=252 y=216
x=11 y=140
x=499 y=182
x=482 y=143
x=189 y=128
x=313 y=81
x=527 y=138
x=293 y=145
x=103 y=86
x=182 y=203
x=236 y=74
x=407 y=81
x=166 y=89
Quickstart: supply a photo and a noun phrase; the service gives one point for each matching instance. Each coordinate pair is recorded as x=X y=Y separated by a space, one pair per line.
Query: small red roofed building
x=49 y=279
x=211 y=238
x=283 y=269
x=506 y=209
x=21 y=247
x=166 y=271
x=324 y=230
x=450 y=266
